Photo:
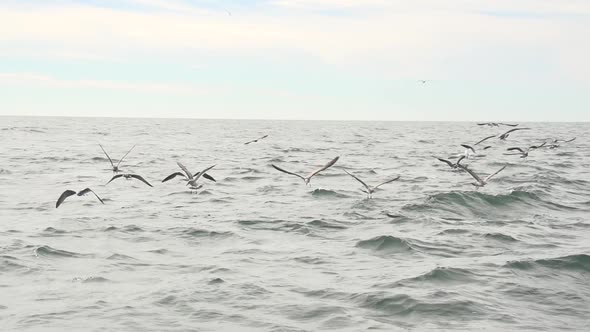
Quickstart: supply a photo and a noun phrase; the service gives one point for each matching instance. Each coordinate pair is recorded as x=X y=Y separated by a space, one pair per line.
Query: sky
x=483 y=60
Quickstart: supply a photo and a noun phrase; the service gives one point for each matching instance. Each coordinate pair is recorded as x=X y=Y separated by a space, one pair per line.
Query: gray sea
x=258 y=250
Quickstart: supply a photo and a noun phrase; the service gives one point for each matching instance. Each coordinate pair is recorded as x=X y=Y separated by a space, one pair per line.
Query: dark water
x=260 y=251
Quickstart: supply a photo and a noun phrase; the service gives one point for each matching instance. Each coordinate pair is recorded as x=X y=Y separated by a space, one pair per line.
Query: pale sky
x=511 y=60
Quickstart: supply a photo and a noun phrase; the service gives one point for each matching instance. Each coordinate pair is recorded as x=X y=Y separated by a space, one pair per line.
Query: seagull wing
x=483 y=124
x=570 y=140
x=326 y=166
x=386 y=182
x=198 y=175
x=172 y=176
x=88 y=190
x=485 y=139
x=135 y=176
x=458 y=163
x=120 y=160
x=508 y=124
x=492 y=175
x=252 y=141
x=186 y=171
x=515 y=149
x=284 y=171
x=475 y=176
x=207 y=176
x=468 y=147
x=63 y=197
x=446 y=161
x=359 y=180
x=114 y=177
x=106 y=154
x=537 y=146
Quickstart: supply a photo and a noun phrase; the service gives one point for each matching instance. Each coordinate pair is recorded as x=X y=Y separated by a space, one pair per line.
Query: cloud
x=426 y=38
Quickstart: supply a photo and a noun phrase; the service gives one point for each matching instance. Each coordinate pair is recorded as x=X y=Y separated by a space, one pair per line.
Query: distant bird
x=506 y=134
x=524 y=152
x=422 y=81
x=308 y=178
x=450 y=163
x=370 y=190
x=496 y=124
x=256 y=140
x=69 y=193
x=115 y=167
x=130 y=176
x=192 y=179
x=227 y=11
x=480 y=182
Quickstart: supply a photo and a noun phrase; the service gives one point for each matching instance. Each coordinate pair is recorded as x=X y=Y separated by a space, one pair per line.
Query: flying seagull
x=69 y=193
x=115 y=167
x=506 y=134
x=308 y=178
x=480 y=182
x=370 y=190
x=470 y=148
x=554 y=142
x=192 y=179
x=496 y=124
x=173 y=175
x=524 y=152
x=256 y=140
x=450 y=163
x=129 y=176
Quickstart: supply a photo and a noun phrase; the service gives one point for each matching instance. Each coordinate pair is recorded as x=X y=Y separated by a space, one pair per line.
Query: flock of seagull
x=523 y=152
x=470 y=150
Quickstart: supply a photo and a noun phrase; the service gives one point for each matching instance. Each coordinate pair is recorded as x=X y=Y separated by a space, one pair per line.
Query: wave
x=475 y=203
x=194 y=232
x=48 y=251
x=386 y=243
x=579 y=262
x=438 y=275
x=500 y=237
x=91 y=280
x=404 y=305
x=325 y=193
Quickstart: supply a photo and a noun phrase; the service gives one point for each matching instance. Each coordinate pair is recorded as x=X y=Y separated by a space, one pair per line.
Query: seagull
x=308 y=178
x=192 y=179
x=496 y=124
x=471 y=149
x=555 y=142
x=69 y=193
x=256 y=140
x=506 y=134
x=129 y=176
x=115 y=167
x=173 y=175
x=450 y=163
x=480 y=182
x=524 y=152
x=370 y=190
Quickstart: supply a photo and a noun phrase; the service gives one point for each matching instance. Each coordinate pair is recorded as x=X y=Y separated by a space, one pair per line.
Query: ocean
x=258 y=250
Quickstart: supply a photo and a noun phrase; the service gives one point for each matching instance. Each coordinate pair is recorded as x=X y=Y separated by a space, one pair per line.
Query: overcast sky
x=514 y=60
